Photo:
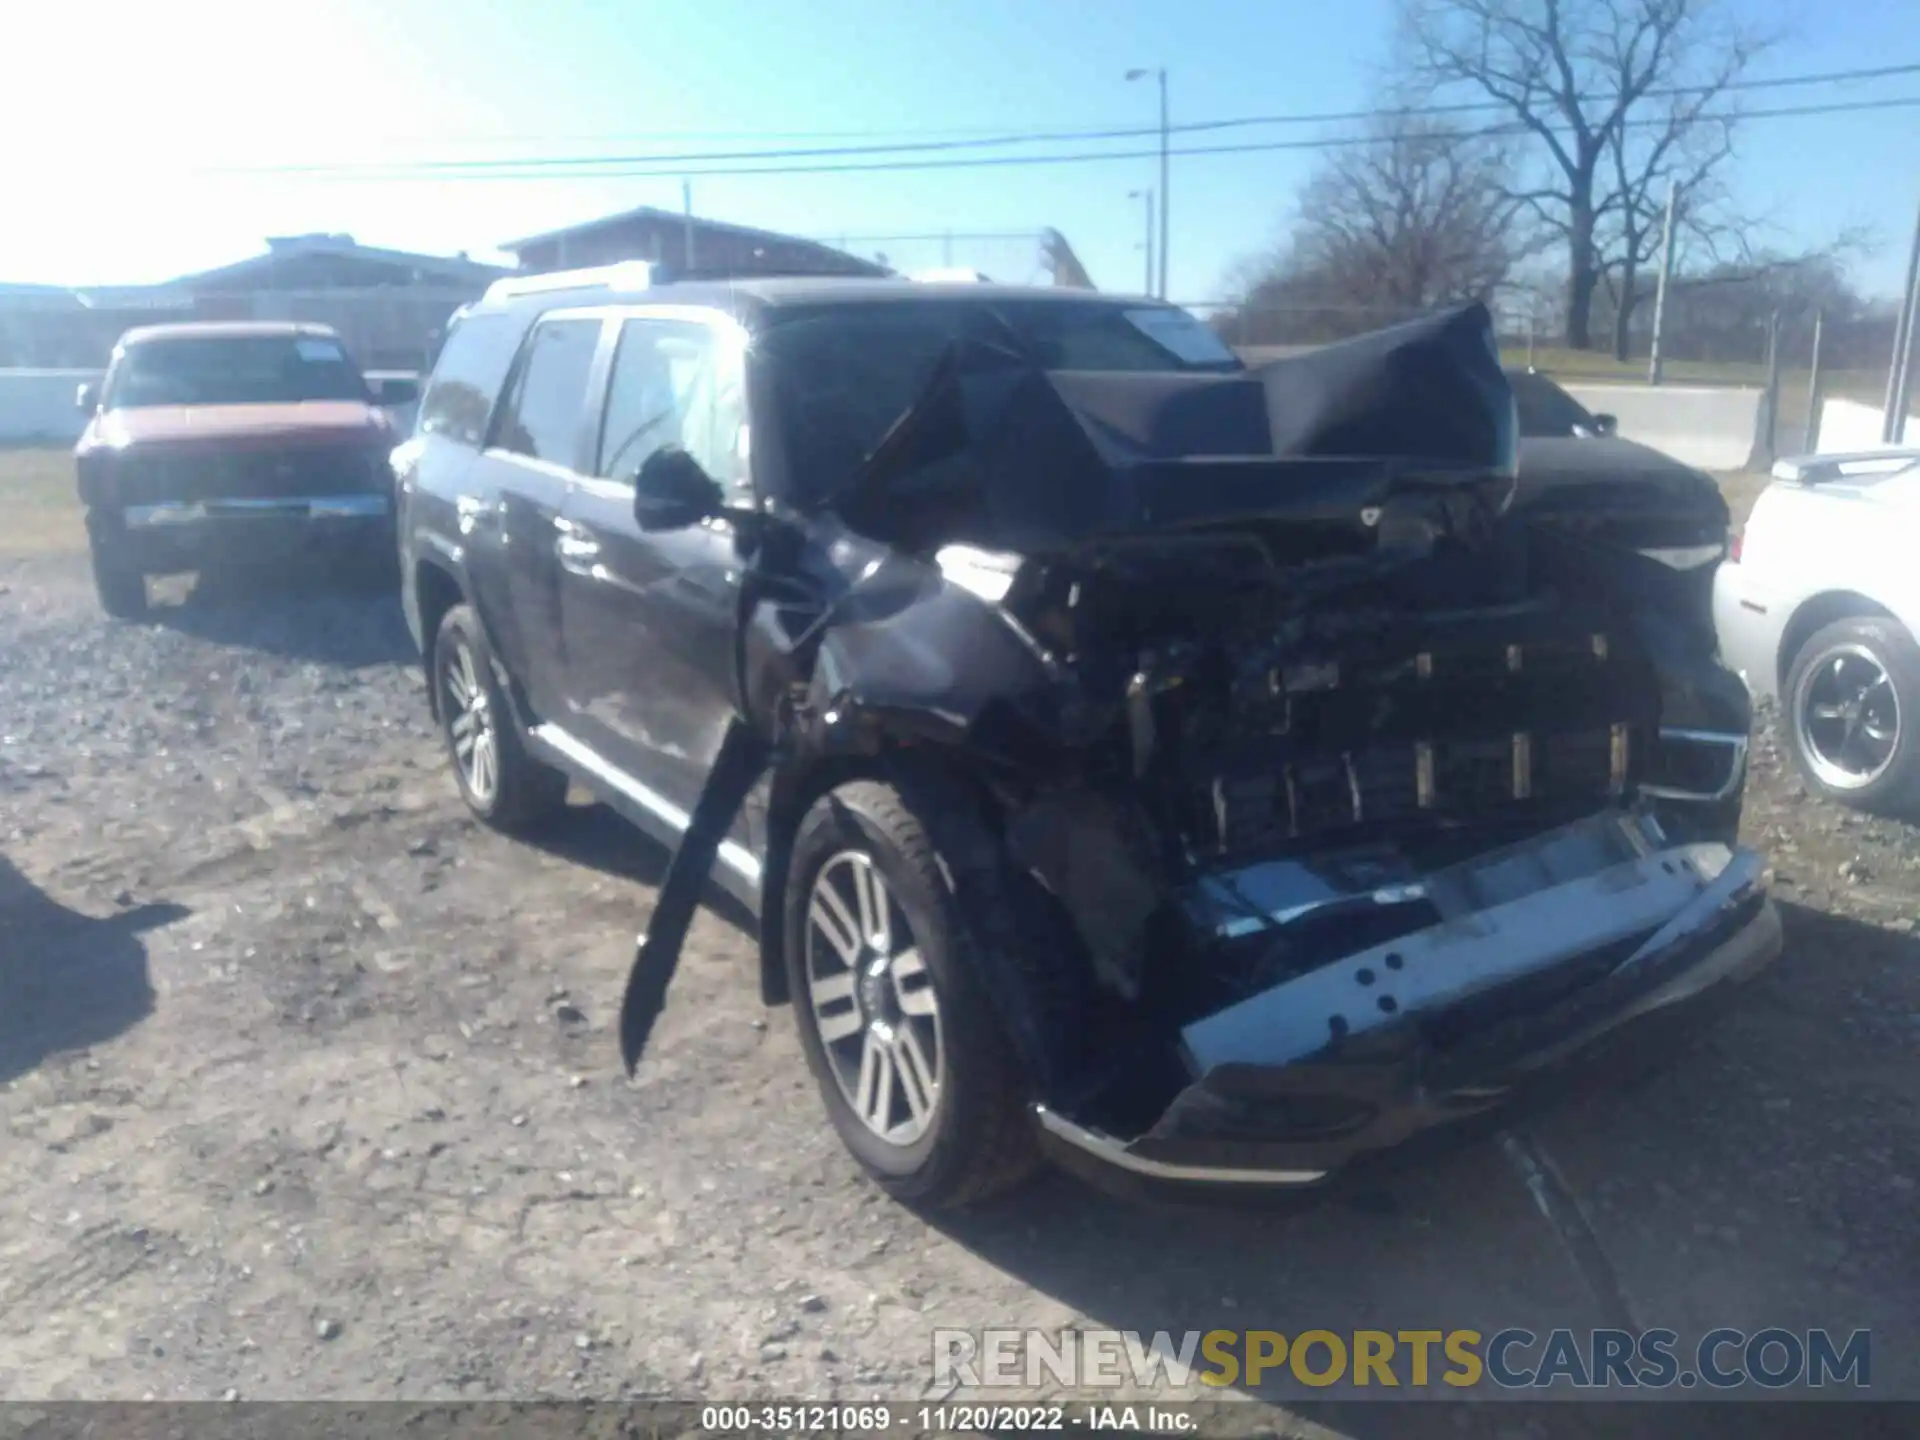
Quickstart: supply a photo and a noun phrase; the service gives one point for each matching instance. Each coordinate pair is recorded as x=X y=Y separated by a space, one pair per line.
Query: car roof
x=227 y=330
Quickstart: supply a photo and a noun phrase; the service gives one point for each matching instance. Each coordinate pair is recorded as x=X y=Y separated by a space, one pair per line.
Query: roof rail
x=625 y=275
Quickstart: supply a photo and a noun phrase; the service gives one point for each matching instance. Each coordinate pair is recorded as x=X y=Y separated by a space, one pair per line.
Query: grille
x=1461 y=779
x=250 y=475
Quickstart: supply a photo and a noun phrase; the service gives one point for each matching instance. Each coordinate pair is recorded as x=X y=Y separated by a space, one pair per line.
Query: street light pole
x=1165 y=131
x=1163 y=184
x=1146 y=197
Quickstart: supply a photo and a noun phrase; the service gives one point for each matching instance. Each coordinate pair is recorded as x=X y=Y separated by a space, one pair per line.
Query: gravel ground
x=310 y=1088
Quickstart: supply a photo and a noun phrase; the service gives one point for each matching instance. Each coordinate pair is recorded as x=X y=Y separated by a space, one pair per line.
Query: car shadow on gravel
x=66 y=979
x=302 y=609
x=1764 y=1121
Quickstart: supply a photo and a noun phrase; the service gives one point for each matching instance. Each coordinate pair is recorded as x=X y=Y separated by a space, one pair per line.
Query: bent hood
x=229 y=427
x=1552 y=467
x=1001 y=453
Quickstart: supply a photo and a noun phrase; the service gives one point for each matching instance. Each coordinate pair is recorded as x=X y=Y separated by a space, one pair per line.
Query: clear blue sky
x=110 y=108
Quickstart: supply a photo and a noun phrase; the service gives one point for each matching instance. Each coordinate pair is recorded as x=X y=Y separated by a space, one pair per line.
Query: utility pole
x=1146 y=197
x=1770 y=423
x=1810 y=440
x=686 y=206
x=1666 y=276
x=1900 y=376
x=1165 y=134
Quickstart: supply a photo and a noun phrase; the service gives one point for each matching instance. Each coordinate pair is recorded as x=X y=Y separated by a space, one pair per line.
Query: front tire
x=1853 y=712
x=119 y=580
x=918 y=1078
x=501 y=783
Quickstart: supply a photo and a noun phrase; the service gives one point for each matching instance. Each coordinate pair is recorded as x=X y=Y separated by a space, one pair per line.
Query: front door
x=648 y=619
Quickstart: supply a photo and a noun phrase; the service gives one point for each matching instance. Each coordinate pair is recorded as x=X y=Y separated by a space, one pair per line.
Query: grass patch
x=39 y=508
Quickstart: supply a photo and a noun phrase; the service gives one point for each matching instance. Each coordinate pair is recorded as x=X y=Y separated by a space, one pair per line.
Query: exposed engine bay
x=1278 y=690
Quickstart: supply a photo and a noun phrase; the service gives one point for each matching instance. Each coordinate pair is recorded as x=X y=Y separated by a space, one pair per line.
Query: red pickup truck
x=214 y=441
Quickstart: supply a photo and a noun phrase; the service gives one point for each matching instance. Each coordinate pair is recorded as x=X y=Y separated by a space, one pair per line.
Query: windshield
x=845 y=373
x=234 y=370
x=1547 y=411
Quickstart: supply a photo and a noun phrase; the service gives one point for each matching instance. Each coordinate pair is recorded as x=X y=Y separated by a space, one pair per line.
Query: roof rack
x=647 y=275
x=626 y=275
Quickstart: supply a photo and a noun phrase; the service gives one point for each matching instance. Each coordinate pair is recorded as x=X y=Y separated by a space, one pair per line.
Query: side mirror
x=396 y=391
x=1606 y=425
x=671 y=491
x=87 y=398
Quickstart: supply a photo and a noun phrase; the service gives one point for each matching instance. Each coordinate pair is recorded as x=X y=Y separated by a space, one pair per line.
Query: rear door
x=536 y=446
x=648 y=618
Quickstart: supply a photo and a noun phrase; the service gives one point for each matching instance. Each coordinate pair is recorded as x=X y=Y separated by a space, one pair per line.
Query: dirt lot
x=310 y=1087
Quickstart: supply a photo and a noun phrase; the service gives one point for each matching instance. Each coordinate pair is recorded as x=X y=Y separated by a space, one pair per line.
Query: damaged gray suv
x=1206 y=775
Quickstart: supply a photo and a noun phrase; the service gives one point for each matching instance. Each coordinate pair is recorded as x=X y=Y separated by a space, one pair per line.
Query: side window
x=540 y=417
x=466 y=377
x=675 y=383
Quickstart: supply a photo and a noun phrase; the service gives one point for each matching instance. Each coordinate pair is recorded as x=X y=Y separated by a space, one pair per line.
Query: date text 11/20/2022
x=961 y=1418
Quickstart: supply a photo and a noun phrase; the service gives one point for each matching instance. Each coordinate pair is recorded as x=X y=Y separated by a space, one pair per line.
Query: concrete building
x=387 y=304
x=684 y=242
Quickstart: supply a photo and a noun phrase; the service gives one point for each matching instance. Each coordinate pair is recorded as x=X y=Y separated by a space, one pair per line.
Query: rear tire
x=1852 y=713
x=501 y=783
x=118 y=579
x=900 y=982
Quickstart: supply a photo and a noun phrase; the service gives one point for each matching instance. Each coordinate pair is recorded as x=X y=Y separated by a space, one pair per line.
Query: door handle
x=471 y=512
x=576 y=550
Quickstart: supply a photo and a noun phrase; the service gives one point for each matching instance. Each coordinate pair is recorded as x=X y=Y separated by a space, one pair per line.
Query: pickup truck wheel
x=499 y=780
x=898 y=1030
x=1853 y=712
x=118 y=580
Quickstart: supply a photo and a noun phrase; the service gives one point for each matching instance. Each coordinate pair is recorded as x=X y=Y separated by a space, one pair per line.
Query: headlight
x=987 y=573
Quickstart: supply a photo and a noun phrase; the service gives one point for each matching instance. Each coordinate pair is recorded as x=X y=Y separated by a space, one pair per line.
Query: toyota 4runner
x=1209 y=775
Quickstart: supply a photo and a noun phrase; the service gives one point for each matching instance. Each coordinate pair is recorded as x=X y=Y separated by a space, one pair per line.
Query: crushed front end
x=1339 y=793
x=1377 y=798
x=1377 y=854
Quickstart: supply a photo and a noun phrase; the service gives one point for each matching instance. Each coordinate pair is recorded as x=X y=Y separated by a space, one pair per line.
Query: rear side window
x=472 y=366
x=541 y=414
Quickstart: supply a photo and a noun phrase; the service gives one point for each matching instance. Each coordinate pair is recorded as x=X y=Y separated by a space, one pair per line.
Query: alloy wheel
x=1847 y=717
x=873 y=999
x=470 y=722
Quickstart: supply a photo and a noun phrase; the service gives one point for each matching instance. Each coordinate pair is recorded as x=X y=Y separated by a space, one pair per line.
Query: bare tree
x=1722 y=313
x=1415 y=219
x=1615 y=96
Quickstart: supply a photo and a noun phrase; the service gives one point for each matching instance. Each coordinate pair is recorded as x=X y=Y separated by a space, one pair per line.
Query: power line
x=587 y=162
x=655 y=168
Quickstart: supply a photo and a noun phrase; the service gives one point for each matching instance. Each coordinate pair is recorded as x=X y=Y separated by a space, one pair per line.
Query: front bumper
x=172 y=513
x=183 y=534
x=1428 y=1037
